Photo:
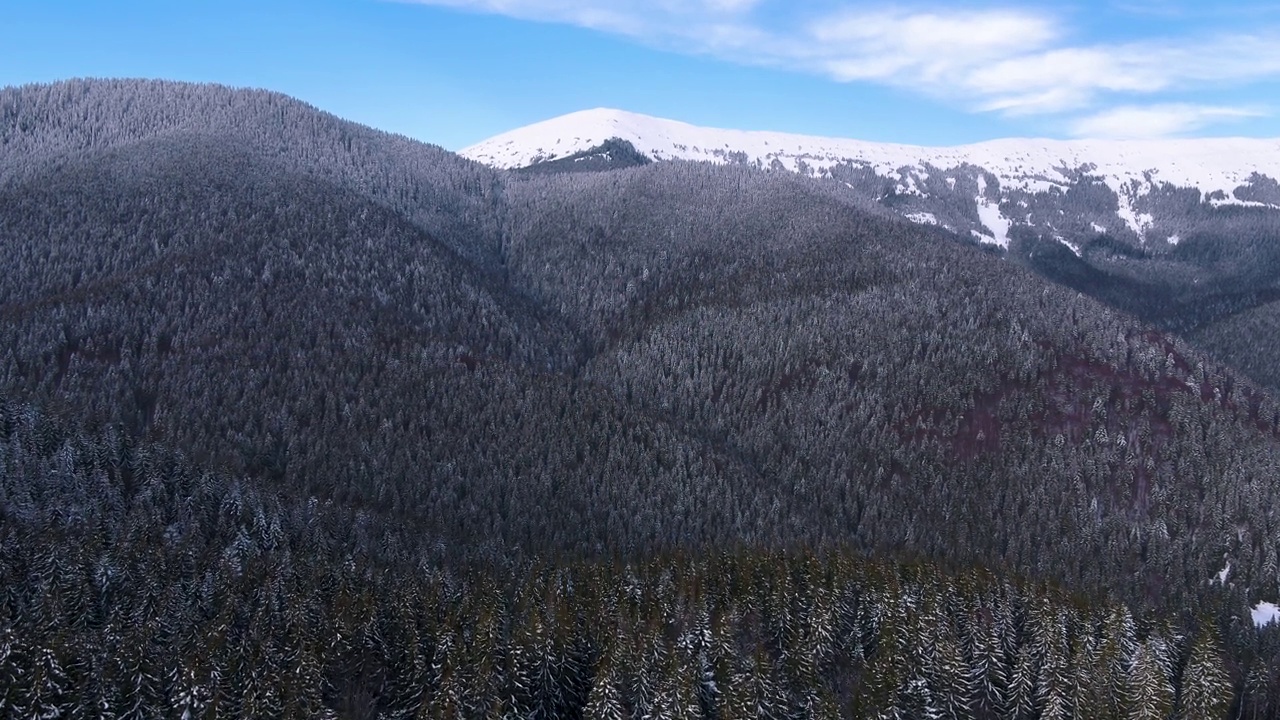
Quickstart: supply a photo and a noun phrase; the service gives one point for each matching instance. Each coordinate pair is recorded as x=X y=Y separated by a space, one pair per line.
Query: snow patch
x=1035 y=184
x=1222 y=574
x=922 y=218
x=907 y=186
x=1265 y=613
x=1138 y=222
x=990 y=216
x=1219 y=202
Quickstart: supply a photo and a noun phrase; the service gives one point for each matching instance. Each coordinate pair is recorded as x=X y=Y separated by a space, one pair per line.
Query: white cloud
x=950 y=36
x=923 y=47
x=731 y=5
x=1013 y=61
x=629 y=17
x=1076 y=76
x=596 y=16
x=1155 y=120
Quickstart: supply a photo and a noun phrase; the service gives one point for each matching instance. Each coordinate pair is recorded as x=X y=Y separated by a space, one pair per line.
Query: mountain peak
x=563 y=136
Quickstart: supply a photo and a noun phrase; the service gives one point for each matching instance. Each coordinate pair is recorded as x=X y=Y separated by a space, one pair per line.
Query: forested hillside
x=1182 y=233
x=676 y=433
x=140 y=586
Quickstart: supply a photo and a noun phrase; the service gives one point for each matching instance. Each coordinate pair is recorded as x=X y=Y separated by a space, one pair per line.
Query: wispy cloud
x=652 y=20
x=1187 y=9
x=1070 y=78
x=922 y=47
x=1155 y=120
x=1010 y=60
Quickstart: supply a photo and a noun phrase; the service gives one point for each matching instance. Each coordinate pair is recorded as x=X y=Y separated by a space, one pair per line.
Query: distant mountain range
x=1133 y=189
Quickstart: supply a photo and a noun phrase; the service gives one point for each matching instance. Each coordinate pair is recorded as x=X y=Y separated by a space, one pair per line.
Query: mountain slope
x=744 y=338
x=1181 y=233
x=894 y=379
x=44 y=126
x=676 y=355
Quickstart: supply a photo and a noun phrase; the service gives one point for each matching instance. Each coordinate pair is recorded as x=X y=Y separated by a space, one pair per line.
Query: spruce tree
x=1205 y=688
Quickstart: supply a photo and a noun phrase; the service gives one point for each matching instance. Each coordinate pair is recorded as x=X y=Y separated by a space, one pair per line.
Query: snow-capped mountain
x=1148 y=191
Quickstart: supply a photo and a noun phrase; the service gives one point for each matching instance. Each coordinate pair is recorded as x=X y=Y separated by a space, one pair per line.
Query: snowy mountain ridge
x=1003 y=175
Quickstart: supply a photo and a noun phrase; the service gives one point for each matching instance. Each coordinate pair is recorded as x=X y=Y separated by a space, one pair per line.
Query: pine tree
x=14 y=670
x=765 y=698
x=1151 y=691
x=304 y=681
x=447 y=701
x=888 y=669
x=680 y=684
x=1053 y=684
x=1022 y=683
x=990 y=669
x=1205 y=688
x=605 y=699
x=1089 y=679
x=723 y=660
x=534 y=682
x=1118 y=650
x=191 y=696
x=646 y=679
x=413 y=674
x=140 y=692
x=95 y=696
x=46 y=693
x=485 y=656
x=943 y=661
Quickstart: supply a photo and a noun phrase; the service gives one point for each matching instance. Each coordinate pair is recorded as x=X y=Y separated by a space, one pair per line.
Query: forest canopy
x=300 y=418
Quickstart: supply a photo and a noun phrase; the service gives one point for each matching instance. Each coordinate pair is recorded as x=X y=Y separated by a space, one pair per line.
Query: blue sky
x=454 y=72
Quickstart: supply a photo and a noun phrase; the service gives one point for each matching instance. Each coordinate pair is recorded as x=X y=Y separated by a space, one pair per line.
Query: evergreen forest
x=299 y=419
